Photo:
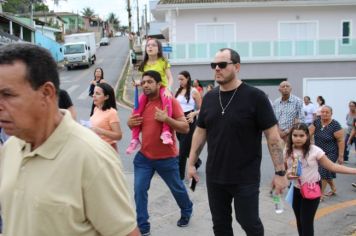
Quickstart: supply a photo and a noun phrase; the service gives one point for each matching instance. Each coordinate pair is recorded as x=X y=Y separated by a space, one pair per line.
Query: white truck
x=79 y=49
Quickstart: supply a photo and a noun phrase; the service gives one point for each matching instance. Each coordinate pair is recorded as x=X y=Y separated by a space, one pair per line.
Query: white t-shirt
x=309 y=110
x=318 y=110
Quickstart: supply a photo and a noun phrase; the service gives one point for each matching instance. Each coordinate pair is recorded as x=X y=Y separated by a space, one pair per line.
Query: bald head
x=285 y=89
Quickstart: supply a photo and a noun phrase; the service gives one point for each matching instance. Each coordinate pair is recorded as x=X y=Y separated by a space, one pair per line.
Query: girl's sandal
x=329 y=194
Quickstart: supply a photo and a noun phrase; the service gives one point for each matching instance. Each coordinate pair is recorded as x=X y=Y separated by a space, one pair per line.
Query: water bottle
x=278 y=204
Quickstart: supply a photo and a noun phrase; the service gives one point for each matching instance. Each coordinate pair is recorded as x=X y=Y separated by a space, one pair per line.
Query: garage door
x=337 y=91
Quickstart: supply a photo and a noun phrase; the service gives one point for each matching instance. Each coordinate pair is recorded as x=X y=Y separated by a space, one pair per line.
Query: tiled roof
x=213 y=1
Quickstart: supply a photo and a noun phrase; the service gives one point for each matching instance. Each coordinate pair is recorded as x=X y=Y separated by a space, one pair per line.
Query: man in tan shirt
x=57 y=177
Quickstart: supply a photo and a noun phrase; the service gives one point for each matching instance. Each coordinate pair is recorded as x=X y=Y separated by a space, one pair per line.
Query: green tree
x=41 y=7
x=17 y=6
x=114 y=21
x=24 y=6
x=88 y=12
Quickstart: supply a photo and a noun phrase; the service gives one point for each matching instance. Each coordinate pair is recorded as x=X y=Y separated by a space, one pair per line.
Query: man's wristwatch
x=280 y=173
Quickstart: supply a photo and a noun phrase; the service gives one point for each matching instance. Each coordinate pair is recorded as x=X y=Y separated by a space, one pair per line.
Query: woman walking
x=98 y=78
x=190 y=101
x=309 y=111
x=321 y=102
x=104 y=120
x=350 y=117
x=329 y=136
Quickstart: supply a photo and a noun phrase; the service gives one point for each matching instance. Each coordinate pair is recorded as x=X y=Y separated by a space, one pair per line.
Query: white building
x=310 y=43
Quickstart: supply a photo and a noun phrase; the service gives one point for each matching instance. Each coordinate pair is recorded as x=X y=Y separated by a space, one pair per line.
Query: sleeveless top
x=187 y=106
x=92 y=86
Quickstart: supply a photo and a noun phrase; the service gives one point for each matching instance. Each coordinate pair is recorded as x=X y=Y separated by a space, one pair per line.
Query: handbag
x=310 y=190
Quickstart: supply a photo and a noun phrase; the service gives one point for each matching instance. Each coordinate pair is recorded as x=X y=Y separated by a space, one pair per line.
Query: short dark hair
x=108 y=91
x=234 y=56
x=153 y=74
x=40 y=65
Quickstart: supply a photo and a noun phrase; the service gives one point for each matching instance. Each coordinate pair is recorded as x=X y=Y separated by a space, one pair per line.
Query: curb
x=121 y=100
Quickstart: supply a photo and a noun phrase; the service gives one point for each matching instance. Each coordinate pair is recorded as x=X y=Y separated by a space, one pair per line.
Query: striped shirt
x=287 y=112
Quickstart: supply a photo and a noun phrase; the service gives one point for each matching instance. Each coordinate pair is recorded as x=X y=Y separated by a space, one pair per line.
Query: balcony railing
x=324 y=49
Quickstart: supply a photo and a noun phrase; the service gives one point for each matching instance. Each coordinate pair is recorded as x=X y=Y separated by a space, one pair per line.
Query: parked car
x=119 y=34
x=104 y=41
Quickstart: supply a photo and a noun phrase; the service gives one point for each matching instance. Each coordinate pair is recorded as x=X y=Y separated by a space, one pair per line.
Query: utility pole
x=130 y=30
x=32 y=21
x=146 y=28
x=138 y=19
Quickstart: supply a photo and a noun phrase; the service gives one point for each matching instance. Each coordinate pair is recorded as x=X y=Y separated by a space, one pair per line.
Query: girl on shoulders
x=300 y=148
x=154 y=60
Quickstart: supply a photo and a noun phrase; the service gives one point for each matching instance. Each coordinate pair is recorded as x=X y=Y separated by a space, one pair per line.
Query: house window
x=206 y=33
x=298 y=31
x=297 y=38
x=346 y=32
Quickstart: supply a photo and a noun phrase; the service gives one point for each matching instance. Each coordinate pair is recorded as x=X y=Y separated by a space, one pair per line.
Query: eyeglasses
x=151 y=45
x=221 y=65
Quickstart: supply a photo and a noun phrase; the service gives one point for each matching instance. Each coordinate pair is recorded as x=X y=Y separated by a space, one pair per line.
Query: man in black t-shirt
x=231 y=120
x=64 y=102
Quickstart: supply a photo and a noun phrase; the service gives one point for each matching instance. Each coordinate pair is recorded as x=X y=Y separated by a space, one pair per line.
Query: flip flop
x=329 y=194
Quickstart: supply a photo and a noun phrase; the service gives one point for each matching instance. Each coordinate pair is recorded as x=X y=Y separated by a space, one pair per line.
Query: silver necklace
x=323 y=126
x=224 y=108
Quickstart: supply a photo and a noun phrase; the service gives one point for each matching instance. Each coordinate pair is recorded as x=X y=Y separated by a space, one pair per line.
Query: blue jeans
x=168 y=169
x=245 y=198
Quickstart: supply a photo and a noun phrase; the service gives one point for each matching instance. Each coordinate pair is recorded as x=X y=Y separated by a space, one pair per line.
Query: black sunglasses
x=221 y=65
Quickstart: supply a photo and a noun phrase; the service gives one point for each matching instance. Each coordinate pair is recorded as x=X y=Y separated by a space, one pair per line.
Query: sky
x=101 y=7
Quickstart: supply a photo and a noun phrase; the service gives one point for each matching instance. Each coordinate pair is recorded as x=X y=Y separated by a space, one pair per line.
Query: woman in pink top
x=104 y=120
x=299 y=148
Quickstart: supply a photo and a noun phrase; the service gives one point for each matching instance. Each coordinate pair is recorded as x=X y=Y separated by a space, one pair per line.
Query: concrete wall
x=261 y=23
x=51 y=45
x=293 y=72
